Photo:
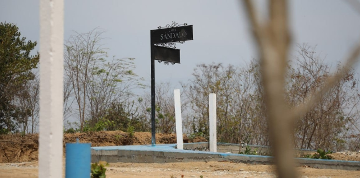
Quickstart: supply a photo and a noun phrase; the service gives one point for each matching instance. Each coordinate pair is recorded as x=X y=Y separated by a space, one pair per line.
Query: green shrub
x=4 y=131
x=118 y=137
x=320 y=154
x=130 y=131
x=70 y=130
x=98 y=170
x=102 y=124
x=196 y=134
x=248 y=151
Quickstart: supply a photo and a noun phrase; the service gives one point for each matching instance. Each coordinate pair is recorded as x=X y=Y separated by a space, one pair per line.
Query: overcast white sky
x=221 y=31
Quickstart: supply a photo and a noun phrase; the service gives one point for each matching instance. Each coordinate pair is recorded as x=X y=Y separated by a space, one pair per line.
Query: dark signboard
x=175 y=34
x=166 y=54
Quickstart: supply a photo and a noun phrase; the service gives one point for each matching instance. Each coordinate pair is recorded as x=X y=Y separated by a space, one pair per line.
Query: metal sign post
x=162 y=47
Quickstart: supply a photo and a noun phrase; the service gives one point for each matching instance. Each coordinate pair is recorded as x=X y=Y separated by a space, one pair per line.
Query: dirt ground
x=181 y=170
x=18 y=159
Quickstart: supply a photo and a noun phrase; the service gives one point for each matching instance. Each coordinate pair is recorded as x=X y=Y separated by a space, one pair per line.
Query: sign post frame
x=165 y=37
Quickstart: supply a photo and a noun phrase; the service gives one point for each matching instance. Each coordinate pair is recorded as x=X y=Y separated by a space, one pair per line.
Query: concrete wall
x=168 y=153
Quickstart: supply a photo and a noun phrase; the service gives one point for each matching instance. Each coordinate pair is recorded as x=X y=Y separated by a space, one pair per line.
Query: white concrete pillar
x=212 y=122
x=51 y=88
x=179 y=133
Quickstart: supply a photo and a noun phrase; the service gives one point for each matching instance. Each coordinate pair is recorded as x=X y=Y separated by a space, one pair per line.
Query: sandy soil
x=180 y=170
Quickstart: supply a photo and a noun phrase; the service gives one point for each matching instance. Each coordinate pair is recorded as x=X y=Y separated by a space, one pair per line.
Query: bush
x=71 y=130
x=102 y=124
x=320 y=154
x=98 y=170
x=130 y=131
x=248 y=151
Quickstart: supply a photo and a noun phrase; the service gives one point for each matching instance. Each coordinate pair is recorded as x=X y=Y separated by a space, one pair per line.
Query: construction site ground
x=19 y=159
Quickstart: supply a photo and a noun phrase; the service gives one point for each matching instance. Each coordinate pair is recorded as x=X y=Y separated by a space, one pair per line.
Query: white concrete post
x=212 y=122
x=179 y=133
x=51 y=88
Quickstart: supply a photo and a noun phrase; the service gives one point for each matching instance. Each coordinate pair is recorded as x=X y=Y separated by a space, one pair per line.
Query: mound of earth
x=24 y=148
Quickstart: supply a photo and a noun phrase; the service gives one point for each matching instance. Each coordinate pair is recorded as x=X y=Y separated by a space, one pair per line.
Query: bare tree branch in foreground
x=273 y=40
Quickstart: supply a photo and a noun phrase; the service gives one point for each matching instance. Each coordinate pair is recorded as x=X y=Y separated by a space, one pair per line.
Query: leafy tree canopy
x=16 y=64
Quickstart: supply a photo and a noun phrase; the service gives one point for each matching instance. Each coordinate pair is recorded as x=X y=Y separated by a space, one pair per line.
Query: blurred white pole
x=179 y=134
x=212 y=122
x=51 y=88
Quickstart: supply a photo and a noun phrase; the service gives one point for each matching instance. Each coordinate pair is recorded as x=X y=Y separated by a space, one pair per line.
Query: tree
x=16 y=64
x=239 y=102
x=27 y=100
x=164 y=109
x=213 y=78
x=324 y=125
x=68 y=97
x=121 y=116
x=96 y=82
